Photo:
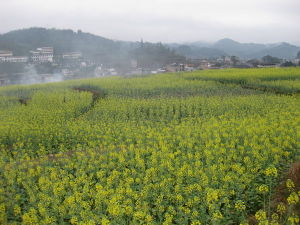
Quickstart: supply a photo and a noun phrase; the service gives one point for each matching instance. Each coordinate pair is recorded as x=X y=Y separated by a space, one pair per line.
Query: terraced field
x=205 y=147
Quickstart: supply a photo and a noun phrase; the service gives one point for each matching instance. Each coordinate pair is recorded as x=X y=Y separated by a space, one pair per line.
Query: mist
x=32 y=77
x=263 y=21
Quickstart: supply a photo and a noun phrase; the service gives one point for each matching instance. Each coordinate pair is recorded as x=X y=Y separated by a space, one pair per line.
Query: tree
x=254 y=62
x=270 y=60
x=234 y=59
x=151 y=55
x=287 y=64
x=298 y=55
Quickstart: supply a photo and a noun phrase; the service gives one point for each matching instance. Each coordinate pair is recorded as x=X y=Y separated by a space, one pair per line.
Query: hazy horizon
x=168 y=21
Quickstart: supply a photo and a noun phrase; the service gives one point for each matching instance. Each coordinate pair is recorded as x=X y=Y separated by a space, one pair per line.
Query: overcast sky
x=264 y=21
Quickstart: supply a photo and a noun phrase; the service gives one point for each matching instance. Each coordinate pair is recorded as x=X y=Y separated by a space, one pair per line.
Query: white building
x=15 y=59
x=7 y=56
x=45 y=50
x=133 y=63
x=4 y=53
x=296 y=61
x=112 y=71
x=44 y=54
x=72 y=55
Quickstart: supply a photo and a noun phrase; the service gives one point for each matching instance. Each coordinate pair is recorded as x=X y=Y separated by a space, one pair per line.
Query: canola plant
x=204 y=147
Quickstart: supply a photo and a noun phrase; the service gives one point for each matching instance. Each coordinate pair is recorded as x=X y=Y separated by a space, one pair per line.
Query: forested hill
x=22 y=41
x=96 y=47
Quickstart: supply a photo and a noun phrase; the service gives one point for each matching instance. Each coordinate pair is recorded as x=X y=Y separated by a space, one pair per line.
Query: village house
x=2 y=82
x=4 y=53
x=44 y=54
x=189 y=67
x=7 y=56
x=14 y=59
x=204 y=64
x=72 y=55
x=296 y=61
x=175 y=67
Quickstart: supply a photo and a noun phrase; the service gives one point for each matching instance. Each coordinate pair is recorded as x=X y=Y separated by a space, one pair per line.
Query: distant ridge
x=106 y=50
x=228 y=46
x=93 y=47
x=22 y=41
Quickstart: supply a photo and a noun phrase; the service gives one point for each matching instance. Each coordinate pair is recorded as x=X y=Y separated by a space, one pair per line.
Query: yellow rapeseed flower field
x=204 y=147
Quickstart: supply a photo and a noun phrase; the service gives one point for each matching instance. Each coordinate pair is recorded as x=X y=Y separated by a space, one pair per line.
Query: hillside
x=239 y=49
x=94 y=47
x=119 y=53
x=282 y=50
x=195 y=52
x=22 y=41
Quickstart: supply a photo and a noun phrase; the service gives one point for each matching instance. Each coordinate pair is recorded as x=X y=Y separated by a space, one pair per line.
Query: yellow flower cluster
x=281 y=208
x=240 y=205
x=294 y=219
x=263 y=188
x=261 y=215
x=290 y=184
x=271 y=172
x=293 y=198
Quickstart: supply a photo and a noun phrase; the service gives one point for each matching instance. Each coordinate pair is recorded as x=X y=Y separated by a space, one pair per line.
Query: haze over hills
x=254 y=50
x=195 y=52
x=93 y=47
x=106 y=50
x=243 y=50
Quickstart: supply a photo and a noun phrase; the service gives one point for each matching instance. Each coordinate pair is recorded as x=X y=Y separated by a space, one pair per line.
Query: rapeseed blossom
x=263 y=188
x=293 y=198
x=162 y=149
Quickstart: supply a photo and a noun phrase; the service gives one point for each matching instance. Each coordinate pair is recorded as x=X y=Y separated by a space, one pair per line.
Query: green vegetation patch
x=181 y=148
